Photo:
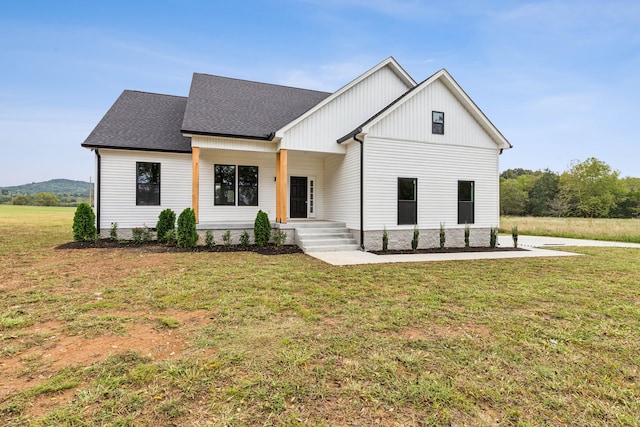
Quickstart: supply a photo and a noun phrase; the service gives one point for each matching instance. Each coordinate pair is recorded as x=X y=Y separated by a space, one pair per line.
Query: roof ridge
x=261 y=83
x=153 y=93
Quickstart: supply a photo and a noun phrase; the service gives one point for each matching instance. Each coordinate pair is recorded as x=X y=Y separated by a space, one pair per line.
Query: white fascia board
x=390 y=61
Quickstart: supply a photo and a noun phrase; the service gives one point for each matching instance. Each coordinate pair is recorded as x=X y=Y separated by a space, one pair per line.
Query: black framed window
x=407 y=201
x=225 y=185
x=466 y=202
x=247 y=186
x=147 y=184
x=437 y=122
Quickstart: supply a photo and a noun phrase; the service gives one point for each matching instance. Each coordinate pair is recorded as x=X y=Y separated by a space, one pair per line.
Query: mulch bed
x=154 y=246
x=447 y=250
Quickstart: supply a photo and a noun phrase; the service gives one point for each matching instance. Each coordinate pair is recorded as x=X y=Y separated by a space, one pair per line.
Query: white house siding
x=118 y=187
x=342 y=181
x=266 y=163
x=412 y=120
x=320 y=131
x=438 y=168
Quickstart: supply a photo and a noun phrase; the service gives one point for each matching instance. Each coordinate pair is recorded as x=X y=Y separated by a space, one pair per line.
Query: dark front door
x=298 y=196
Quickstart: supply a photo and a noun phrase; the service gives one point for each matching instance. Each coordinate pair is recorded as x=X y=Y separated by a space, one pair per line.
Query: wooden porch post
x=195 y=181
x=281 y=186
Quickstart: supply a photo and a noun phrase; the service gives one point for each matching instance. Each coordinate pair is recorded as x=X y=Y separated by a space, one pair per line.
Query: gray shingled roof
x=230 y=107
x=142 y=121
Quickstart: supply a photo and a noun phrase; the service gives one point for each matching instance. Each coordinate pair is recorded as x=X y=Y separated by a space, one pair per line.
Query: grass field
x=619 y=230
x=126 y=337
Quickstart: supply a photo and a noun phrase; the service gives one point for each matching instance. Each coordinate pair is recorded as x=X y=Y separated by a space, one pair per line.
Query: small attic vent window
x=437 y=122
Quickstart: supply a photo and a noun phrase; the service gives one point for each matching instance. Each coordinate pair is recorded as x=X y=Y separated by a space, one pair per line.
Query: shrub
x=416 y=235
x=514 y=235
x=385 y=240
x=187 y=234
x=466 y=235
x=493 y=237
x=166 y=222
x=84 y=224
x=244 y=239
x=21 y=200
x=141 y=234
x=443 y=235
x=170 y=237
x=279 y=237
x=113 y=231
x=261 y=228
x=208 y=239
x=226 y=238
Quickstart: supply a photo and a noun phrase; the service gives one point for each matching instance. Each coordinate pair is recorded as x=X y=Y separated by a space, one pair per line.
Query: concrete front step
x=324 y=237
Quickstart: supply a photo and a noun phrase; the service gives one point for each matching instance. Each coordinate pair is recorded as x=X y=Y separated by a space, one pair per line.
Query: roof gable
x=224 y=106
x=445 y=78
x=142 y=121
x=389 y=62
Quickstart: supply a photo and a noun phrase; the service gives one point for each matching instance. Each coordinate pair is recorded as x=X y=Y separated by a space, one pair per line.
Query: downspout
x=355 y=137
x=98 y=192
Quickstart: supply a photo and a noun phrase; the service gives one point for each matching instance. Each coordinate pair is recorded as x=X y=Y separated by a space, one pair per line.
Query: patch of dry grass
x=620 y=230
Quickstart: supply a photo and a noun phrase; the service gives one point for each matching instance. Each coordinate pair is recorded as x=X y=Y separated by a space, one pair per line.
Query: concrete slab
x=535 y=246
x=359 y=257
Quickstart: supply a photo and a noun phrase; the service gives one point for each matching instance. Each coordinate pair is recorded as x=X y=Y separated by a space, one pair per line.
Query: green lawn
x=288 y=340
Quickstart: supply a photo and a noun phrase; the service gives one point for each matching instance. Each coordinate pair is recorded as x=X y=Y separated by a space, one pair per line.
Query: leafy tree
x=543 y=192
x=45 y=199
x=514 y=173
x=590 y=187
x=21 y=200
x=513 y=198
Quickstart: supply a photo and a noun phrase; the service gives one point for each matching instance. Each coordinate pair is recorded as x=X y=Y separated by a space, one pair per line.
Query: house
x=382 y=153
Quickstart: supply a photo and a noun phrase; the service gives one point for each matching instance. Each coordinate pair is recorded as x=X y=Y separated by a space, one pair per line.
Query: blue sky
x=560 y=79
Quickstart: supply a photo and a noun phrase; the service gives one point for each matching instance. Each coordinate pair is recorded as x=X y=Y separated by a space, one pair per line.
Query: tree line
x=589 y=189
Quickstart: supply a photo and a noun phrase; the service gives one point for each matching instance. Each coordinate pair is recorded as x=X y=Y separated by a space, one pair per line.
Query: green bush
x=385 y=240
x=416 y=236
x=279 y=237
x=226 y=238
x=141 y=234
x=187 y=234
x=514 y=235
x=166 y=222
x=443 y=235
x=262 y=229
x=208 y=239
x=170 y=237
x=244 y=239
x=84 y=224
x=493 y=237
x=466 y=235
x=113 y=231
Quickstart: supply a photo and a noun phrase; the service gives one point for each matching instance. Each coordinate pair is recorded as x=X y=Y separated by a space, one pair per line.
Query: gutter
x=98 y=192
x=361 y=141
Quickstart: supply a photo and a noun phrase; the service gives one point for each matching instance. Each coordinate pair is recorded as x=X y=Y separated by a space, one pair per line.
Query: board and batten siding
x=411 y=121
x=118 y=187
x=342 y=181
x=266 y=163
x=320 y=131
x=438 y=168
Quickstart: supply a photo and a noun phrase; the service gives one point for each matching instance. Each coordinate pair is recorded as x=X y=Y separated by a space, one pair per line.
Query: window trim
x=471 y=202
x=140 y=200
x=402 y=204
x=437 y=126
x=219 y=201
x=256 y=185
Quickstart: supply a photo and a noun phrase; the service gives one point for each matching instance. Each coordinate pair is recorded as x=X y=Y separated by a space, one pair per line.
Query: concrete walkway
x=535 y=247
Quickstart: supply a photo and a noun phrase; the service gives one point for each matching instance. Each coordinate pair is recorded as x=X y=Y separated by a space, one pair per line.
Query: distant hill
x=58 y=187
